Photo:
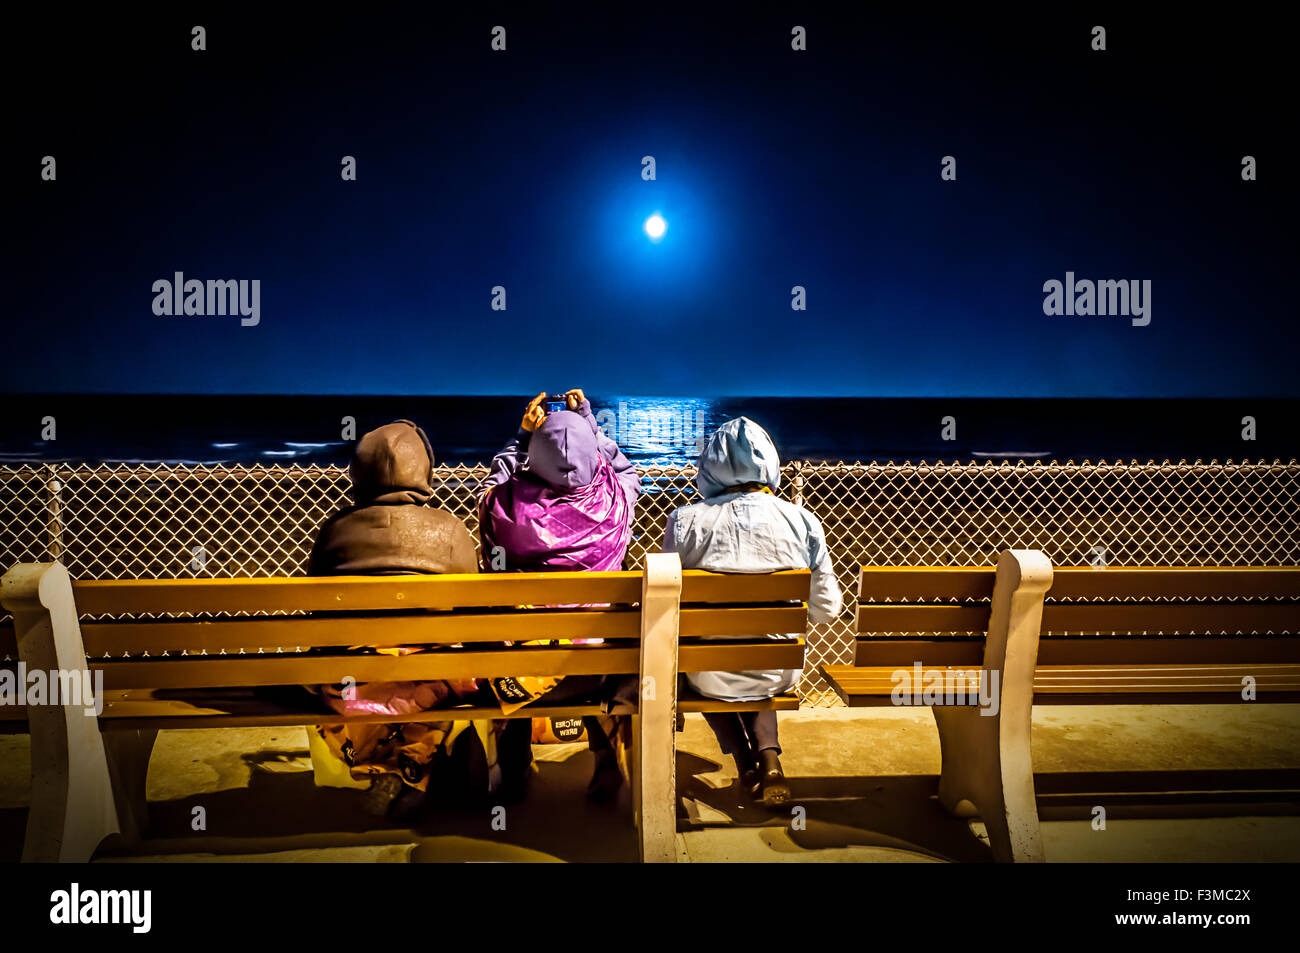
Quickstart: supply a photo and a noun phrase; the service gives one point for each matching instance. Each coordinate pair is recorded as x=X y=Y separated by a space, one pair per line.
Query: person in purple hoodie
x=560 y=495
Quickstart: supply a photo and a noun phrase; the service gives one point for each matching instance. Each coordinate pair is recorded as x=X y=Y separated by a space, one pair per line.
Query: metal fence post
x=54 y=514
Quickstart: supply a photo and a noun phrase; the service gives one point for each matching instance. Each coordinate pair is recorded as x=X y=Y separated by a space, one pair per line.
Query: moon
x=655 y=226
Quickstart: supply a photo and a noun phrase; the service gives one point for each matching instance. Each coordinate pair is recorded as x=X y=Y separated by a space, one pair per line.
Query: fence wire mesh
x=177 y=521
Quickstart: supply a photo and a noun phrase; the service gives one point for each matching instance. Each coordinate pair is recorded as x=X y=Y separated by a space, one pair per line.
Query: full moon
x=655 y=226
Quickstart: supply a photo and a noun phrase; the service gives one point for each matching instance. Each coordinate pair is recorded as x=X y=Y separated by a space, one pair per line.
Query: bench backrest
x=213 y=634
x=1124 y=614
x=251 y=632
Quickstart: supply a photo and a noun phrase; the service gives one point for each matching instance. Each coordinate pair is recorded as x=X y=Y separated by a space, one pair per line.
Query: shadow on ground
x=901 y=813
x=280 y=811
x=283 y=810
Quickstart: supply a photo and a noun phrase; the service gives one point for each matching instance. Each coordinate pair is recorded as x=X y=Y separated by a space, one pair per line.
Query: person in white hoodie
x=742 y=526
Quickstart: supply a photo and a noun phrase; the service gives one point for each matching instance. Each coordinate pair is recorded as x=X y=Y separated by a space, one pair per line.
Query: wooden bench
x=1069 y=636
x=186 y=653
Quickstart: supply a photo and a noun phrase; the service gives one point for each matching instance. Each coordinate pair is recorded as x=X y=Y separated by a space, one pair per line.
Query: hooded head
x=738 y=452
x=562 y=452
x=393 y=464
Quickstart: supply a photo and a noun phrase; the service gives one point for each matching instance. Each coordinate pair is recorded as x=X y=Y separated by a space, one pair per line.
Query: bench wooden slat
x=1182 y=684
x=114 y=638
x=271 y=669
x=353 y=593
x=766 y=620
x=944 y=650
x=871 y=686
x=789 y=585
x=788 y=702
x=730 y=655
x=975 y=583
x=135 y=637
x=1089 y=618
x=925 y=583
x=922 y=618
x=448 y=591
x=1193 y=582
x=874 y=685
x=164 y=713
x=135 y=709
x=1177 y=617
x=1082 y=650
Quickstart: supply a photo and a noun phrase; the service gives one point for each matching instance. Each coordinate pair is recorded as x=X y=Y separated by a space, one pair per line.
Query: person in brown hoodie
x=389 y=530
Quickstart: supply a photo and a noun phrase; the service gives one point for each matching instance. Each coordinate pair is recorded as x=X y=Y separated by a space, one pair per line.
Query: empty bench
x=1069 y=636
x=188 y=653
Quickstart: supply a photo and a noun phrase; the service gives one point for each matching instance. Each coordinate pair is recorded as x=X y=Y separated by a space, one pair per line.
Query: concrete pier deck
x=864 y=778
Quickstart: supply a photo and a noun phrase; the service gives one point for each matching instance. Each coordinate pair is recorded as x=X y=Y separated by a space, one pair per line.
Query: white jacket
x=750 y=532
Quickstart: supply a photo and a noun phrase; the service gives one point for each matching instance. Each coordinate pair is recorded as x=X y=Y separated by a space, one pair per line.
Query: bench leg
x=72 y=805
x=987 y=766
x=128 y=765
x=981 y=777
x=654 y=757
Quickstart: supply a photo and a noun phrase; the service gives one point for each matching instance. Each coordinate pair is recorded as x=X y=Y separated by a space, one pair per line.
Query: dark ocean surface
x=276 y=429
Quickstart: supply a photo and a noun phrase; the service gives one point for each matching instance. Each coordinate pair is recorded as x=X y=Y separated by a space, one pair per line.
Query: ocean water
x=278 y=429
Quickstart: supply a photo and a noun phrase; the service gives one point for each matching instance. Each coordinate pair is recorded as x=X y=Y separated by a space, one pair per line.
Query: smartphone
x=553 y=405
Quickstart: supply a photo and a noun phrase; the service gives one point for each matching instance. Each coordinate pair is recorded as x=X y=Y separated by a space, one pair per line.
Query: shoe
x=772 y=784
x=513 y=787
x=749 y=783
x=605 y=781
x=515 y=759
x=380 y=795
x=407 y=806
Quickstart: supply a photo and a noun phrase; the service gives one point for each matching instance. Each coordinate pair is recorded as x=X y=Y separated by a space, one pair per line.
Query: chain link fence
x=177 y=521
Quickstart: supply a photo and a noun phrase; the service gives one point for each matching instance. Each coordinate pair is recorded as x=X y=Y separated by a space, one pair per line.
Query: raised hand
x=535 y=413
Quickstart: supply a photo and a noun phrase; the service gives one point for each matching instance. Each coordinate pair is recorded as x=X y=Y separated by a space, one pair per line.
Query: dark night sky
x=775 y=168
